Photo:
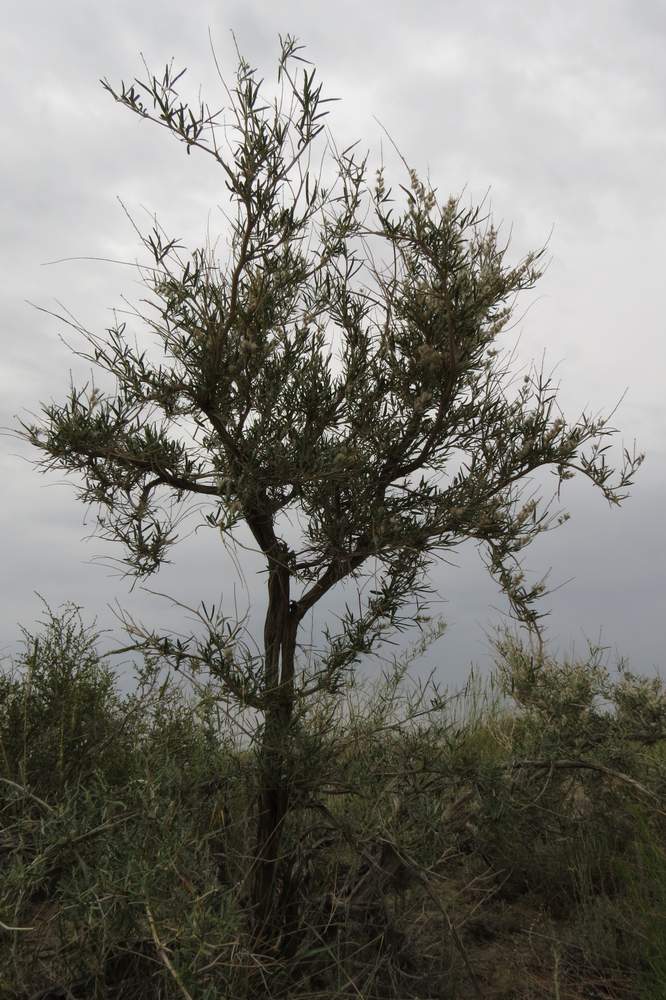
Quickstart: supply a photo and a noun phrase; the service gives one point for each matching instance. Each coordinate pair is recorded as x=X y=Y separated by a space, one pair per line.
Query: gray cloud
x=558 y=110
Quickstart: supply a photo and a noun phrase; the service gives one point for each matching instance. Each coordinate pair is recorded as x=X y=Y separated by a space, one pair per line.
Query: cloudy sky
x=557 y=110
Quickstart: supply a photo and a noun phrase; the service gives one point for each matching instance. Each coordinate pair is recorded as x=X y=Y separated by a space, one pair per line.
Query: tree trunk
x=275 y=752
x=273 y=806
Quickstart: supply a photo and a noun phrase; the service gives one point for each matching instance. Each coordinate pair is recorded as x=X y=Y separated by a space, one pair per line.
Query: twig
x=6 y=927
x=588 y=765
x=27 y=792
x=161 y=951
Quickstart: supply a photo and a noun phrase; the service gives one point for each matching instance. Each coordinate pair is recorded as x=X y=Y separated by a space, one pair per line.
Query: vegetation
x=287 y=832
x=505 y=842
x=412 y=442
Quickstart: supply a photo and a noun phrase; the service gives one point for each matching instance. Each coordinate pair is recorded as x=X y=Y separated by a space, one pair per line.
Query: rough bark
x=280 y=631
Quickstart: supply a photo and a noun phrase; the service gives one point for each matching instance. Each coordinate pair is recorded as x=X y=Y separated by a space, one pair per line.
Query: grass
x=507 y=842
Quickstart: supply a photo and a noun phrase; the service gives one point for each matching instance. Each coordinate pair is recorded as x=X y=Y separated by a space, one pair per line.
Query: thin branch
x=161 y=951
x=27 y=792
x=6 y=927
x=589 y=766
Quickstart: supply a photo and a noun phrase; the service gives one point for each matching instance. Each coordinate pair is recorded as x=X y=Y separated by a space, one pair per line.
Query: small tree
x=412 y=443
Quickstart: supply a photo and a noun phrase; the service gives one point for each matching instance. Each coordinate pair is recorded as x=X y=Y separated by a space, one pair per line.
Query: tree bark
x=280 y=631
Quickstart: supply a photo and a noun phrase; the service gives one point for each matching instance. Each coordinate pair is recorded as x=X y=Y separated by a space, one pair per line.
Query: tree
x=413 y=441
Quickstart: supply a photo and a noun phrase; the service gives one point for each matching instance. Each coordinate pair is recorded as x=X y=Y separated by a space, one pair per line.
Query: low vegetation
x=505 y=842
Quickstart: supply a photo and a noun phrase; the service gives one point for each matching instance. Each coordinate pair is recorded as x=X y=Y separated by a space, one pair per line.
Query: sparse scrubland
x=505 y=842
x=280 y=829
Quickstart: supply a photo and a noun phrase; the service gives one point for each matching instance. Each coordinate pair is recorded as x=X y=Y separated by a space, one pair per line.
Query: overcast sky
x=556 y=109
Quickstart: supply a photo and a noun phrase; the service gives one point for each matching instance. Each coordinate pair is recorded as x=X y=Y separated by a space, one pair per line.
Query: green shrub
x=511 y=833
x=59 y=710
